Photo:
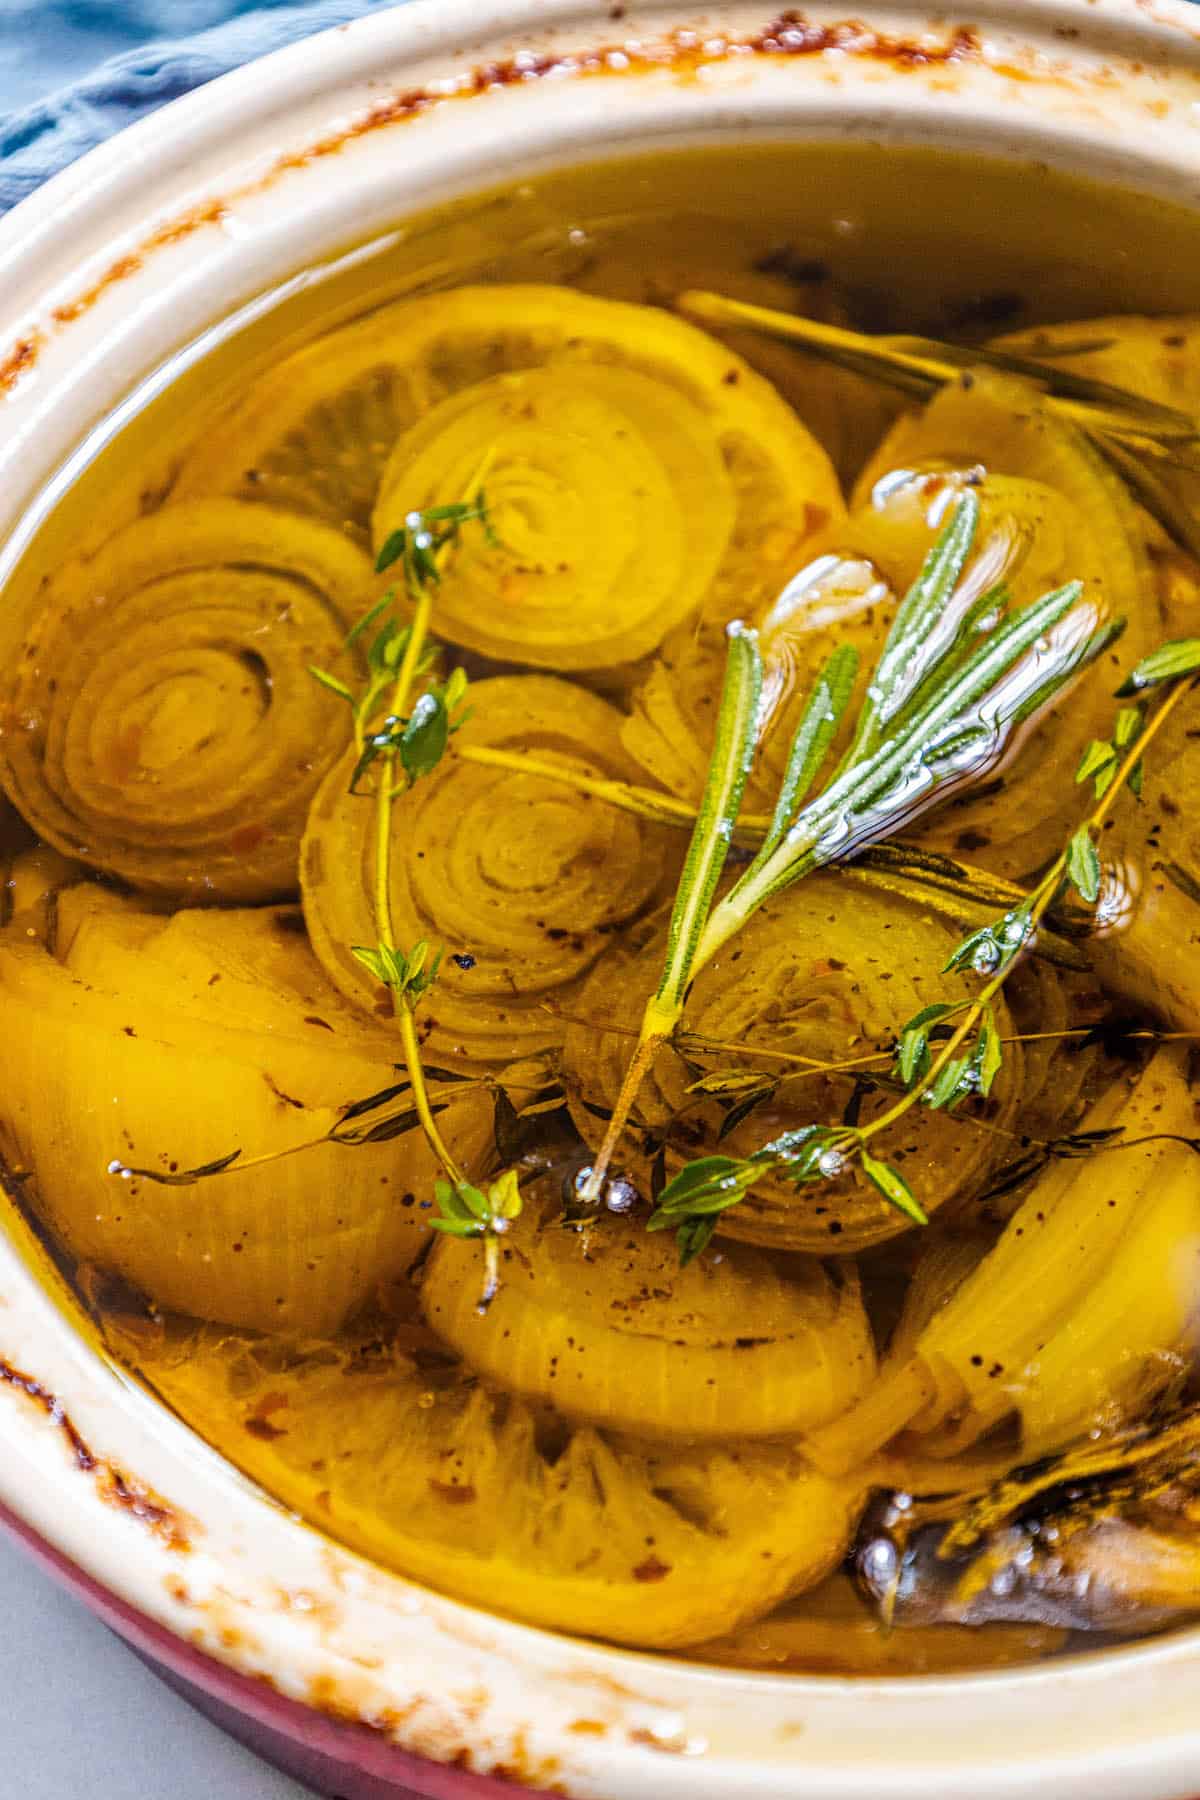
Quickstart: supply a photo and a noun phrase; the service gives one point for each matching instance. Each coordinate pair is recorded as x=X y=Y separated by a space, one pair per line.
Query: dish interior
x=598 y=986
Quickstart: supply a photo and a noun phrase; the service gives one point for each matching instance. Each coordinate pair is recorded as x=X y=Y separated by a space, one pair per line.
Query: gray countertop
x=83 y=1717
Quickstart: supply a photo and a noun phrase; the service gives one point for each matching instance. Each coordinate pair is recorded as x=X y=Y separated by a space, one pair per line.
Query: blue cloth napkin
x=43 y=42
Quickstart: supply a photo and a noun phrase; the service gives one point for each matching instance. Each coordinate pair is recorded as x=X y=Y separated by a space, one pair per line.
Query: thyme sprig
x=398 y=652
x=692 y=1202
x=400 y=740
x=1101 y=760
x=970 y=1056
x=957 y=673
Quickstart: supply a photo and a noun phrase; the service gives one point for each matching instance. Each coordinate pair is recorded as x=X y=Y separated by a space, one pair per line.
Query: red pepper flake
x=263 y=1428
x=452 y=1493
x=652 y=1570
x=247 y=839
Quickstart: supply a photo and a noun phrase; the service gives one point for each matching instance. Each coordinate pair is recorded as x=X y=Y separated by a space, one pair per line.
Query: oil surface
x=884 y=241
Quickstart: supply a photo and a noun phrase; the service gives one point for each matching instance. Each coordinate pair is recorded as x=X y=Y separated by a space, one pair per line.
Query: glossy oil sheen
x=916 y=241
x=909 y=239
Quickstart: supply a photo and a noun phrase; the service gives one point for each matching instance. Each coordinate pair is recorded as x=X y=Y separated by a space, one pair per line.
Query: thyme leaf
x=741 y=1110
x=439 y=712
x=912 y=1048
x=408 y=973
x=467 y=1211
x=994 y=948
x=692 y=1237
x=420 y=544
x=1101 y=761
x=990 y=1055
x=331 y=682
x=893 y=1187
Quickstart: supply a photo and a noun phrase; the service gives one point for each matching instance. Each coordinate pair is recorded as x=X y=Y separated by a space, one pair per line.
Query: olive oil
x=362 y=692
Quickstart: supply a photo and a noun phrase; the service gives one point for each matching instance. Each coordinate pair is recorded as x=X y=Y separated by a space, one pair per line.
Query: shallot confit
x=611 y=1018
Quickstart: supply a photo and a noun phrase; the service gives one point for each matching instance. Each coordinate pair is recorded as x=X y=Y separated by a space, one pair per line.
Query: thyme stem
x=921 y=365
x=402 y=999
x=410 y=1044
x=1041 y=900
x=890 y=863
x=385 y=791
x=642 y=802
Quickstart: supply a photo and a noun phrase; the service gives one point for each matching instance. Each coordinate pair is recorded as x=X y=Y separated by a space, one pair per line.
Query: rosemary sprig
x=728 y=771
x=957 y=672
x=952 y=735
x=970 y=1057
x=921 y=365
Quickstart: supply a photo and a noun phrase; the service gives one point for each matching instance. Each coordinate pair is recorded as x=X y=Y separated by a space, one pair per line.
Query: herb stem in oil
x=1040 y=901
x=385 y=790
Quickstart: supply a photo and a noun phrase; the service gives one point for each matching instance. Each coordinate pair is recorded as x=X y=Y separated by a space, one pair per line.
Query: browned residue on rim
x=790 y=34
x=22 y=356
x=114 y=1485
x=173 y=231
x=417 y=1727
x=684 y=51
